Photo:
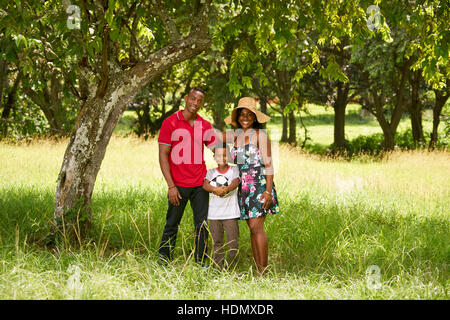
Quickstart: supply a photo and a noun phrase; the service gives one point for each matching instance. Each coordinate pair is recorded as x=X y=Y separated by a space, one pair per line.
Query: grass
x=337 y=218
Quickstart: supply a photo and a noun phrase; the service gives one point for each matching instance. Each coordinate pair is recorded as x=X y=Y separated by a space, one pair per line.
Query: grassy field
x=337 y=219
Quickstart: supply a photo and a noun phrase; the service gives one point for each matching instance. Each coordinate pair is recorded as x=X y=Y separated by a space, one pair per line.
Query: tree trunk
x=95 y=124
x=390 y=128
x=389 y=138
x=292 y=139
x=339 y=115
x=283 y=85
x=219 y=115
x=416 y=125
x=9 y=105
x=439 y=103
x=388 y=131
x=284 y=129
x=414 y=108
x=263 y=104
x=144 y=119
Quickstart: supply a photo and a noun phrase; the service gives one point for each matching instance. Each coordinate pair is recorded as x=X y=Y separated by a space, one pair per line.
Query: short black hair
x=198 y=89
x=221 y=145
x=256 y=123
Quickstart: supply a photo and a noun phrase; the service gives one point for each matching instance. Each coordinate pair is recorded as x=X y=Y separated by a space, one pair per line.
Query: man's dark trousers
x=199 y=199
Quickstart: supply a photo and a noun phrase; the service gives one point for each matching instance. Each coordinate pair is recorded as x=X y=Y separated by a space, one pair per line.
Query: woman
x=256 y=194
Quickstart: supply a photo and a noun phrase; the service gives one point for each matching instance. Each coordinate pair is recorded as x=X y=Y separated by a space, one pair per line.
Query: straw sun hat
x=250 y=104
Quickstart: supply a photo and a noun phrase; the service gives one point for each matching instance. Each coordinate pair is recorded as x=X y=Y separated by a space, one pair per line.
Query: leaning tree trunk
x=95 y=124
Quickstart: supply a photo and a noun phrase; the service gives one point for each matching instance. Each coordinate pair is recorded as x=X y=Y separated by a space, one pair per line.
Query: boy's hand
x=220 y=191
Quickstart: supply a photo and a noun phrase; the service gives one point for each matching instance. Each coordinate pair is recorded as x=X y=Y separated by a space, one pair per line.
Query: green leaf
x=21 y=41
x=109 y=16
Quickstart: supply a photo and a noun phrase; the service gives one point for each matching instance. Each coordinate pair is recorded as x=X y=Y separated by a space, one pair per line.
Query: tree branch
x=161 y=11
x=105 y=69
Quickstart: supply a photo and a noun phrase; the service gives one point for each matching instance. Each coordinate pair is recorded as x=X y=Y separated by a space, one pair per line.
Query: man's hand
x=174 y=196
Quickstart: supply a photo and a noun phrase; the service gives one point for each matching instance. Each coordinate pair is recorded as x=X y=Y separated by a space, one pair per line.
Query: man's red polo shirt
x=187 y=164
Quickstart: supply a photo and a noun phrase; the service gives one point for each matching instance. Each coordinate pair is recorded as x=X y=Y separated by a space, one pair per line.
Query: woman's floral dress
x=253 y=182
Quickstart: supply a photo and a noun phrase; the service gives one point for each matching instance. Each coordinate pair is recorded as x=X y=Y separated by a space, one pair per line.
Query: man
x=181 y=141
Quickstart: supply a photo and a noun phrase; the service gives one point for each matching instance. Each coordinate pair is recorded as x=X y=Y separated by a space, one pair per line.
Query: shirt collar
x=181 y=118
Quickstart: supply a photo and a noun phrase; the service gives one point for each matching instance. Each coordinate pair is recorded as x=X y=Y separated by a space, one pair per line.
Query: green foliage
x=372 y=144
x=26 y=122
x=444 y=140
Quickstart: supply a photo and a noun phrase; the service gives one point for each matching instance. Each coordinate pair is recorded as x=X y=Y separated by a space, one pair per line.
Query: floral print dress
x=253 y=182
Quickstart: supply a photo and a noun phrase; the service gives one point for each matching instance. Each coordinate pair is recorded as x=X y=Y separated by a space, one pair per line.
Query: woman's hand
x=266 y=199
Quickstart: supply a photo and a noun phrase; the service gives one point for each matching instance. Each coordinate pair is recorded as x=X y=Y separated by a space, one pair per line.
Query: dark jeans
x=199 y=199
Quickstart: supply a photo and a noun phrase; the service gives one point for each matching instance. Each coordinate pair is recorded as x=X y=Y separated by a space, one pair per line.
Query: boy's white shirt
x=226 y=207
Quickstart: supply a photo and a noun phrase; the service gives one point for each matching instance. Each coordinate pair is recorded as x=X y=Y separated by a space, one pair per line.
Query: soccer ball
x=219 y=181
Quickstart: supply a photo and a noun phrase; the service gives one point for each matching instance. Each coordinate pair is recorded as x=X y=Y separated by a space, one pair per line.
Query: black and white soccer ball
x=219 y=181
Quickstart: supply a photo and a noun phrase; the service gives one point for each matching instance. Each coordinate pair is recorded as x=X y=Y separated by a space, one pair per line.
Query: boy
x=223 y=210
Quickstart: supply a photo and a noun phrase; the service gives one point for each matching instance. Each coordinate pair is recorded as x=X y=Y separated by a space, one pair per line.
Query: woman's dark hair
x=256 y=124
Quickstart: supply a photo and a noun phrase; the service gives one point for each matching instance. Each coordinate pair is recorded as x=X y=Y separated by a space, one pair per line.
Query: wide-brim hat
x=250 y=104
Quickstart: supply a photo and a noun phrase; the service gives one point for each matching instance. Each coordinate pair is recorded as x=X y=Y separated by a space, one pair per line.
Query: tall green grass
x=337 y=218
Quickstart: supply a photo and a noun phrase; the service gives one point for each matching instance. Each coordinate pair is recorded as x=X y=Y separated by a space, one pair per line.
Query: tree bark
x=284 y=129
x=415 y=108
x=339 y=115
x=97 y=119
x=388 y=133
x=9 y=105
x=283 y=89
x=439 y=103
x=263 y=104
x=219 y=114
x=292 y=139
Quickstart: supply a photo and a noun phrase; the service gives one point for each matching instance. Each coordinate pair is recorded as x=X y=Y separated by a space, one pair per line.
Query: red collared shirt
x=187 y=164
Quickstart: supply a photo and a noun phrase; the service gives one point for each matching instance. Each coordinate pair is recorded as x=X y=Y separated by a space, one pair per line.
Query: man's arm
x=173 y=193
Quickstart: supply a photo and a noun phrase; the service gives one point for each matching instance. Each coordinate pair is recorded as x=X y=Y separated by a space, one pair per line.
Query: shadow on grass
x=307 y=236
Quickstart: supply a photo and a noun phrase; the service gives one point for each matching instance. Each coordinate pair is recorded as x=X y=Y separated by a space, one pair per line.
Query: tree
x=120 y=75
x=416 y=50
x=441 y=97
x=385 y=69
x=168 y=89
x=290 y=35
